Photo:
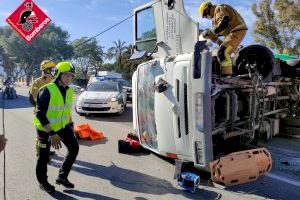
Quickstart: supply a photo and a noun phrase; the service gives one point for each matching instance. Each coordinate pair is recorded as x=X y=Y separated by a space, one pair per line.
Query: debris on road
x=84 y=131
x=130 y=145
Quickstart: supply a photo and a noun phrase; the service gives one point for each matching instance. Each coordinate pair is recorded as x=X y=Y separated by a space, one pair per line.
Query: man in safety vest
x=54 y=124
x=46 y=67
x=226 y=22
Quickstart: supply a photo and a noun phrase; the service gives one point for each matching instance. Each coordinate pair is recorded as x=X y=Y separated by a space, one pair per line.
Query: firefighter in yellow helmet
x=54 y=124
x=226 y=22
x=46 y=67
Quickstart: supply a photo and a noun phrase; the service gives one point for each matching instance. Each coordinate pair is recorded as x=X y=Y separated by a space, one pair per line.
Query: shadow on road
x=62 y=196
x=88 y=195
x=125 y=117
x=20 y=102
x=90 y=143
x=266 y=187
x=132 y=180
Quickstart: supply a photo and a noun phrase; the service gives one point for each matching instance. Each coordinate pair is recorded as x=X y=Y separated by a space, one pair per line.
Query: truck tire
x=259 y=56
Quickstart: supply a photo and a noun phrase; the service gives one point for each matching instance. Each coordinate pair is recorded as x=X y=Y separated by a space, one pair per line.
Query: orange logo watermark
x=28 y=20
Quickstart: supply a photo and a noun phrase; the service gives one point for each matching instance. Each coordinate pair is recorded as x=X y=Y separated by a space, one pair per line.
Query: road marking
x=284 y=179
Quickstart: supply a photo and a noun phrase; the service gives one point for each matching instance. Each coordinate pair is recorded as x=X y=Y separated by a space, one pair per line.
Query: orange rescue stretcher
x=84 y=131
x=241 y=167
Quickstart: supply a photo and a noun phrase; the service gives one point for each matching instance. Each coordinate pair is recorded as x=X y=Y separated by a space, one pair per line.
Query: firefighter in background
x=226 y=22
x=54 y=125
x=46 y=67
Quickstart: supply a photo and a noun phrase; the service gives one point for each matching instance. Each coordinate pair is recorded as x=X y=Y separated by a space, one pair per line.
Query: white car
x=102 y=97
x=76 y=88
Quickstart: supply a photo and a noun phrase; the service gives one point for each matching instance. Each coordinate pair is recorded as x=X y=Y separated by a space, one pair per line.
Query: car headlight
x=80 y=98
x=114 y=99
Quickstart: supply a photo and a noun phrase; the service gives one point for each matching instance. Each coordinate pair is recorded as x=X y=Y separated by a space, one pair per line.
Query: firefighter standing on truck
x=226 y=22
x=46 y=67
x=54 y=124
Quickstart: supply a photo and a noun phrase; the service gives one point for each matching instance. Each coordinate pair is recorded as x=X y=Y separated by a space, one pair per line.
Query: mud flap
x=241 y=167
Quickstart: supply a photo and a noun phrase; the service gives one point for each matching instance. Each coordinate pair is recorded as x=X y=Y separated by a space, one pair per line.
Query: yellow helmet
x=64 y=67
x=47 y=64
x=203 y=8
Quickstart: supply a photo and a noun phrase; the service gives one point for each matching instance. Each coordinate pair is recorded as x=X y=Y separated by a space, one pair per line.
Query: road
x=100 y=172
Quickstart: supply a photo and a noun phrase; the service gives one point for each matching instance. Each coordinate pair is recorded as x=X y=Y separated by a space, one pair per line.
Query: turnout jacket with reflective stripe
x=59 y=108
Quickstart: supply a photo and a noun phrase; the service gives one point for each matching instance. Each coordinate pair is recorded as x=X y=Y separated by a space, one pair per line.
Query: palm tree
x=116 y=52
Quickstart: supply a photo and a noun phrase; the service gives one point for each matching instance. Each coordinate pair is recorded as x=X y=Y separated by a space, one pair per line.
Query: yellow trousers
x=229 y=44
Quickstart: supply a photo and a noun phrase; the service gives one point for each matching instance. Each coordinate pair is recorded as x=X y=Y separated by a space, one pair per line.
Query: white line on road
x=284 y=179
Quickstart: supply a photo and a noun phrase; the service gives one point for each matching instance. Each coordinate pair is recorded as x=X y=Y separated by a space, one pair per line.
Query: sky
x=89 y=17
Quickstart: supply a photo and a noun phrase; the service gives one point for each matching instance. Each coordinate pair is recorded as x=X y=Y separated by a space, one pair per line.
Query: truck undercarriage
x=249 y=107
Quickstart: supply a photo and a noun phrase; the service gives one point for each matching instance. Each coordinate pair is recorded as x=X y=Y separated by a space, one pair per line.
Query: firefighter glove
x=207 y=34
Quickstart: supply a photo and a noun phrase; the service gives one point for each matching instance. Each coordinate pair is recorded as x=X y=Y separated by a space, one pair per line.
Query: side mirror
x=138 y=55
x=82 y=90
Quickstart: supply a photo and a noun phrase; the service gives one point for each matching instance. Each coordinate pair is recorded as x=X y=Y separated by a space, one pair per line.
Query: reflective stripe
x=56 y=120
x=59 y=108
x=41 y=145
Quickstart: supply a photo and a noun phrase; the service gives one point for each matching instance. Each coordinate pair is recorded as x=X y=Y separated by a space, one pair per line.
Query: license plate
x=95 y=105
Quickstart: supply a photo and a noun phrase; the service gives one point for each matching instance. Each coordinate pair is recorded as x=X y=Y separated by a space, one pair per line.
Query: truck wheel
x=254 y=58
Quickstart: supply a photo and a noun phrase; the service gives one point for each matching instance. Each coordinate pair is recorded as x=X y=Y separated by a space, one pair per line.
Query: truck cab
x=172 y=123
x=184 y=109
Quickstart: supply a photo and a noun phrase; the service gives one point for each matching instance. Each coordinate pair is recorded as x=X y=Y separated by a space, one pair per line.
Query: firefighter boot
x=226 y=69
x=47 y=187
x=65 y=182
x=226 y=63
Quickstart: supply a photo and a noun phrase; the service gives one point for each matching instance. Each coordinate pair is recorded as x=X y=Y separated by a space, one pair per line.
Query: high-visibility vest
x=59 y=112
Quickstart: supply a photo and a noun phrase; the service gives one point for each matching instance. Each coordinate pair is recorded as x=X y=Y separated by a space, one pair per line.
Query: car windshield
x=125 y=83
x=103 y=87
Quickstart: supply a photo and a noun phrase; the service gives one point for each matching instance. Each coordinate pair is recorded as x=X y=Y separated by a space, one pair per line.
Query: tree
x=52 y=43
x=129 y=66
x=288 y=14
x=116 y=52
x=276 y=29
x=87 y=55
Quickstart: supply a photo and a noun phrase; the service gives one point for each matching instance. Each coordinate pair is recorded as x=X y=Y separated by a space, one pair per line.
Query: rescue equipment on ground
x=188 y=181
x=84 y=131
x=241 y=167
x=130 y=145
x=186 y=175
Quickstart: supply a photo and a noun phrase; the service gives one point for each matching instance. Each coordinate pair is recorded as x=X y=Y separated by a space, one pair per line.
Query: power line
x=111 y=27
x=107 y=29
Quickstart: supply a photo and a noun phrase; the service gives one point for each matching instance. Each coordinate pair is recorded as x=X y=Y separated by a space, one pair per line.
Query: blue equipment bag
x=188 y=181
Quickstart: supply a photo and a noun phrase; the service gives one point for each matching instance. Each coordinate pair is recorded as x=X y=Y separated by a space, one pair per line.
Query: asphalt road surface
x=100 y=172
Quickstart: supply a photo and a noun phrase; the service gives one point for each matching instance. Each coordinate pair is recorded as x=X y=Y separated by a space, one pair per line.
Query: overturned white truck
x=184 y=109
